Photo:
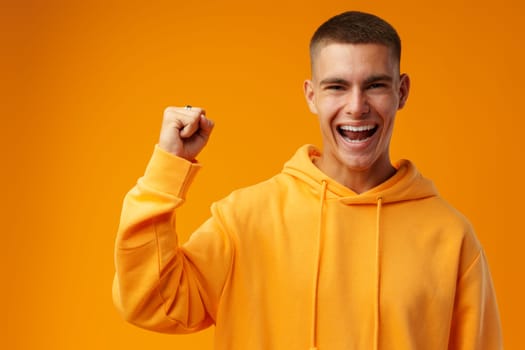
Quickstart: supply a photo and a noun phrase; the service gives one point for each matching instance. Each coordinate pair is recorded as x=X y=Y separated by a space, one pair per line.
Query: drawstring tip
x=313 y=348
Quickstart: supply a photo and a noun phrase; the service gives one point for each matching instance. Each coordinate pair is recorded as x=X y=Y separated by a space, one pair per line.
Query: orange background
x=83 y=87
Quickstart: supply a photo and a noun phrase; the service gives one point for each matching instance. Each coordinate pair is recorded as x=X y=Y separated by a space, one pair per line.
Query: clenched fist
x=185 y=131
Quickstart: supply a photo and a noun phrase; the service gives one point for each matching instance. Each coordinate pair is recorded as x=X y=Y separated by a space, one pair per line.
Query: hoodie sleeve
x=476 y=322
x=158 y=284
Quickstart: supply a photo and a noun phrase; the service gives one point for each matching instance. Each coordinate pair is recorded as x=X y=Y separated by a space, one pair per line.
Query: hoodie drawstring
x=317 y=262
x=378 y=274
x=317 y=267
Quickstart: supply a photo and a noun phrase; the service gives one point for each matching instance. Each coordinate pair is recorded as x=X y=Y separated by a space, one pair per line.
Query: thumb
x=206 y=125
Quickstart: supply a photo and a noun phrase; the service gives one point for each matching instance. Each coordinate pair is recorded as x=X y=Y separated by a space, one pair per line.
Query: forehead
x=338 y=57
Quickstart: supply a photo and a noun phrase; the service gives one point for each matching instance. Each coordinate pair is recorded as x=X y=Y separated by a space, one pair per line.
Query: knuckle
x=197 y=110
x=193 y=111
x=169 y=110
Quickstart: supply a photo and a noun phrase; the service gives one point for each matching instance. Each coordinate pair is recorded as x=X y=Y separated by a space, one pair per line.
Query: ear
x=404 y=88
x=309 y=94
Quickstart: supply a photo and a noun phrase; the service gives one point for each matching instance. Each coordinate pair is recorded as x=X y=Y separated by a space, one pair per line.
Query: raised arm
x=158 y=284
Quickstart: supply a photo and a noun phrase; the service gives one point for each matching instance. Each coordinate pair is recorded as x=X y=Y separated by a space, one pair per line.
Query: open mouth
x=357 y=134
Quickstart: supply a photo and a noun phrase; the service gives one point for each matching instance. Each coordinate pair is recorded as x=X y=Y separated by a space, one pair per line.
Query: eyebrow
x=369 y=80
x=328 y=81
x=380 y=77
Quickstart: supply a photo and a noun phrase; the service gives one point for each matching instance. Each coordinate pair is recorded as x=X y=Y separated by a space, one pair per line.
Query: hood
x=406 y=184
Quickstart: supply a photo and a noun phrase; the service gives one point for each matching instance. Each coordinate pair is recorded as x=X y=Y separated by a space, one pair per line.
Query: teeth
x=356 y=141
x=357 y=128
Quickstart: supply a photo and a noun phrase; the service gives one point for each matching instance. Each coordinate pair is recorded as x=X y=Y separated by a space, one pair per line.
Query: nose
x=356 y=103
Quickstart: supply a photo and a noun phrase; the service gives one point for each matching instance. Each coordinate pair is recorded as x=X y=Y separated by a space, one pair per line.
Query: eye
x=376 y=85
x=335 y=87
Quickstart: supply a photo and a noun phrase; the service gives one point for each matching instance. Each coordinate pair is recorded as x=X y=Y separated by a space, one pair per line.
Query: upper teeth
x=357 y=128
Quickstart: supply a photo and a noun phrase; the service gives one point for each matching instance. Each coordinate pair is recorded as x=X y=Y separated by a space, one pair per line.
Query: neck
x=359 y=180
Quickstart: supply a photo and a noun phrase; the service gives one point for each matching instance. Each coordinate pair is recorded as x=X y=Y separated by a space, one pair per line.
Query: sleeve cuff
x=170 y=174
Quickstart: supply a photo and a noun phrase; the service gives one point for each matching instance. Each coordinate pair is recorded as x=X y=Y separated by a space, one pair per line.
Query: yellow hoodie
x=302 y=262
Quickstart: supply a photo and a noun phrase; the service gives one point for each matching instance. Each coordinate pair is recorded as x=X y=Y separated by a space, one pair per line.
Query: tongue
x=357 y=135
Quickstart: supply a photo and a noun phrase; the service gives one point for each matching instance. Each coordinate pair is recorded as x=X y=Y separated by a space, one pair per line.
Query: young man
x=341 y=250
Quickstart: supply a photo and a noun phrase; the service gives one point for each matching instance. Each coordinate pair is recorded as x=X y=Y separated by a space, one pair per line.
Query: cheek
x=330 y=104
x=387 y=109
x=388 y=125
x=325 y=119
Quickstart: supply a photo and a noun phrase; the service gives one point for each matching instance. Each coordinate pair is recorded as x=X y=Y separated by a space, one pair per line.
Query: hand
x=185 y=131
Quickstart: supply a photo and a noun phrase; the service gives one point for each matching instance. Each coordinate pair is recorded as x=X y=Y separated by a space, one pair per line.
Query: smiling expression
x=356 y=90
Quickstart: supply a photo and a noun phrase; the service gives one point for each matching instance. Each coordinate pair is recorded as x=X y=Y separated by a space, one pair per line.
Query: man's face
x=355 y=91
